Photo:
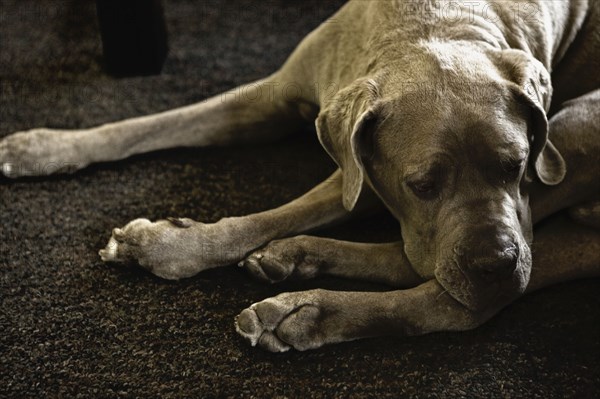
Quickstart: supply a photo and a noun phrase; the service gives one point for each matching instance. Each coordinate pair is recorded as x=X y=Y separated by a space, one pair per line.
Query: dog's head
x=451 y=145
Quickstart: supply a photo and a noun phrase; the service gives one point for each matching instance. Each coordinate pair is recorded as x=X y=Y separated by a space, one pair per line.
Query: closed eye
x=512 y=167
x=424 y=189
x=427 y=179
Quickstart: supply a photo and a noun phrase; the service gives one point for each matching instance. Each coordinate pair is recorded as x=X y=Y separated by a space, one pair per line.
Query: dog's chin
x=478 y=295
x=473 y=296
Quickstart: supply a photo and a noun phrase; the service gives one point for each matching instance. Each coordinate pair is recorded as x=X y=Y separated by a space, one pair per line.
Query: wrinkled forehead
x=418 y=125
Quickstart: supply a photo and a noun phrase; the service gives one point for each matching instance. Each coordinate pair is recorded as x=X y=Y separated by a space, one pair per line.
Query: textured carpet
x=71 y=326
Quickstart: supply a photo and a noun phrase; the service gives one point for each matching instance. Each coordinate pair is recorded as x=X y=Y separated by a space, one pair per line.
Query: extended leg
x=178 y=248
x=310 y=319
x=255 y=112
x=306 y=257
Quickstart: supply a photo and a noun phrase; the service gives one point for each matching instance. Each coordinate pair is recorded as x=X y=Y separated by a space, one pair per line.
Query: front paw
x=280 y=260
x=290 y=320
x=171 y=249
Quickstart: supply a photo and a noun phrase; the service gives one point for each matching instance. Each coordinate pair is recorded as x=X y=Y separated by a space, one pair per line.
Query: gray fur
x=442 y=118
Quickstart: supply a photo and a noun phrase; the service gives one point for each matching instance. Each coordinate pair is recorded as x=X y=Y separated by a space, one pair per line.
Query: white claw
x=110 y=252
x=7 y=168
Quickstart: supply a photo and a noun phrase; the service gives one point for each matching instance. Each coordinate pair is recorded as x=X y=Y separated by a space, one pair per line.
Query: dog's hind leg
x=564 y=250
x=260 y=111
x=587 y=214
x=575 y=131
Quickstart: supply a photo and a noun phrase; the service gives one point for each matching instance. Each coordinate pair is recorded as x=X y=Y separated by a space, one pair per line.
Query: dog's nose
x=502 y=264
x=495 y=259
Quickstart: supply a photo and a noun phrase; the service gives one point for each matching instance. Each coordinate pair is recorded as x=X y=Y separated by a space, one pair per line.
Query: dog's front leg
x=564 y=251
x=310 y=319
x=304 y=257
x=178 y=248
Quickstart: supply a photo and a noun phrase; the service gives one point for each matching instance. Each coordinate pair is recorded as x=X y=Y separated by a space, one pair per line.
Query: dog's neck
x=544 y=29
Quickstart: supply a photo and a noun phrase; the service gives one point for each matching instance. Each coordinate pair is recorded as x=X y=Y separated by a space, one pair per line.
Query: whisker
x=441 y=293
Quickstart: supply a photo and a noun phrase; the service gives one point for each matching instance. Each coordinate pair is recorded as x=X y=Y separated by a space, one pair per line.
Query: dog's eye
x=424 y=189
x=512 y=168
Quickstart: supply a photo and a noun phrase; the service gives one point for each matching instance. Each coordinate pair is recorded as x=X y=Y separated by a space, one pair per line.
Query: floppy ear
x=535 y=88
x=340 y=127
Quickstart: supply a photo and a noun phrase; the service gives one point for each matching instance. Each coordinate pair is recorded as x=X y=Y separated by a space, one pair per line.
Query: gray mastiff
x=470 y=121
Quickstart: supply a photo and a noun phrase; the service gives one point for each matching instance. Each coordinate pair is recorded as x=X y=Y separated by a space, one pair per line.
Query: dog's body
x=437 y=109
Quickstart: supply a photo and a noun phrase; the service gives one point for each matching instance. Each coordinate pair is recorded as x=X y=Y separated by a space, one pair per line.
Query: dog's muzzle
x=480 y=276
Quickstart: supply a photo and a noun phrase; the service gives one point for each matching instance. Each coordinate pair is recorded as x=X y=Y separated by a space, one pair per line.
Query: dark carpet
x=71 y=326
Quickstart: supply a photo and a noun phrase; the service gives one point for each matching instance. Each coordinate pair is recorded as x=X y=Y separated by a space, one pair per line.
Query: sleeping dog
x=469 y=121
